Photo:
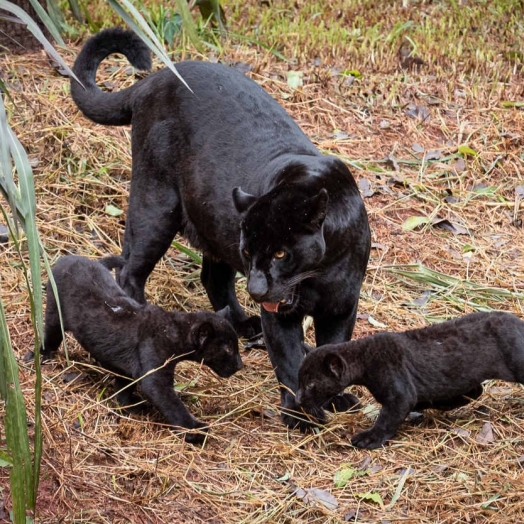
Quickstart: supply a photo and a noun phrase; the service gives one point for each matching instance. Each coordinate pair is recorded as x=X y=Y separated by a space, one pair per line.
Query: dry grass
x=102 y=467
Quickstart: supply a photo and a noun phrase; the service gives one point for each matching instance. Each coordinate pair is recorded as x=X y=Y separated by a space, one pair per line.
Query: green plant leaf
x=372 y=497
x=187 y=251
x=113 y=210
x=466 y=150
x=342 y=477
x=352 y=72
x=412 y=223
x=188 y=24
x=294 y=79
x=509 y=103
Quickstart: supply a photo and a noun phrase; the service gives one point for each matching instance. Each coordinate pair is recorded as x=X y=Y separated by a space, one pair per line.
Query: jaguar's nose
x=257 y=285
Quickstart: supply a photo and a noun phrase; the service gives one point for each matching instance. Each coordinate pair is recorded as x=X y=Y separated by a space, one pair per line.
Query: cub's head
x=281 y=242
x=215 y=342
x=322 y=375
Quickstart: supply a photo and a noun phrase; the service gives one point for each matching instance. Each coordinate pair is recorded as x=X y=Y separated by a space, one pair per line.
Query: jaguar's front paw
x=197 y=434
x=368 y=439
x=342 y=402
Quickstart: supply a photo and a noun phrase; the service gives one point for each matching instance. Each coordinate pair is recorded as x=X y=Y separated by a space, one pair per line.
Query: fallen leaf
x=466 y=150
x=461 y=432
x=352 y=72
x=459 y=165
x=519 y=191
x=313 y=495
x=373 y=497
x=417 y=111
x=451 y=199
x=392 y=161
x=74 y=375
x=339 y=135
x=371 y=411
x=351 y=515
x=342 y=477
x=412 y=223
x=419 y=302
x=417 y=148
x=5 y=460
x=448 y=225
x=433 y=155
x=486 y=434
x=283 y=478
x=295 y=79
x=365 y=188
x=113 y=210
x=376 y=323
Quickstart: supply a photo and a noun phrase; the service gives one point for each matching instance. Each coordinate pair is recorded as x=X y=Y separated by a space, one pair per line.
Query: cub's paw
x=368 y=439
x=198 y=433
x=295 y=417
x=342 y=402
x=44 y=355
x=249 y=328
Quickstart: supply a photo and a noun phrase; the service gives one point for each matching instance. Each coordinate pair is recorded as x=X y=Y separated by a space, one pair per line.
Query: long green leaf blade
x=15 y=426
x=188 y=23
x=150 y=40
x=46 y=19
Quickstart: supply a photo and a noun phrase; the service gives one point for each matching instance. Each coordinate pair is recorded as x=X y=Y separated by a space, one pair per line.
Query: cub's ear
x=243 y=201
x=318 y=208
x=224 y=313
x=335 y=365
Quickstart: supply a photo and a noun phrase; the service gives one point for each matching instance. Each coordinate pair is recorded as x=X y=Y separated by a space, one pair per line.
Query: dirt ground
x=439 y=161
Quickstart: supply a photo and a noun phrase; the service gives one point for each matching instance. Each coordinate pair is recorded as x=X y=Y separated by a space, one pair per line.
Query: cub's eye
x=279 y=254
x=246 y=253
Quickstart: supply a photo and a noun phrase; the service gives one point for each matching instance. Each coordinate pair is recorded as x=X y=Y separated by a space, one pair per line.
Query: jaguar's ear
x=317 y=209
x=225 y=312
x=242 y=200
x=335 y=365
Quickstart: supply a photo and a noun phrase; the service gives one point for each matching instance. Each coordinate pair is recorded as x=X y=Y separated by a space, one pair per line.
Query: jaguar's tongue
x=272 y=307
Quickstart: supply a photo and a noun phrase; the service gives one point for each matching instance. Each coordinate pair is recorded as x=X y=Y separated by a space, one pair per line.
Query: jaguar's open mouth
x=280 y=307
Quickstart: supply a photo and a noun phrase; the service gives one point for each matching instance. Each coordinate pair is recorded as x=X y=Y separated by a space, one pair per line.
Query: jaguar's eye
x=279 y=254
x=246 y=253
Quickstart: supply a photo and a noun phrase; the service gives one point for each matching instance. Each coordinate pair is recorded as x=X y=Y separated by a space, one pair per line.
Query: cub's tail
x=113 y=262
x=112 y=109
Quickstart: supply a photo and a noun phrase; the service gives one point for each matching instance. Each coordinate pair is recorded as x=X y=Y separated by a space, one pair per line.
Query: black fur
x=228 y=168
x=132 y=339
x=441 y=366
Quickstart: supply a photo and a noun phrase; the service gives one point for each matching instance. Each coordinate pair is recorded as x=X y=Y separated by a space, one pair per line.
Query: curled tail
x=113 y=262
x=102 y=107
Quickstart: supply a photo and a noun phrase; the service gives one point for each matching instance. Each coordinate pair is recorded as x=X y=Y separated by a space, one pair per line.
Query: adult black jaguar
x=226 y=167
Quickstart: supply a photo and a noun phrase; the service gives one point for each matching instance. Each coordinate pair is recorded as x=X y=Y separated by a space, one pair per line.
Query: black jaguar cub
x=225 y=166
x=135 y=340
x=441 y=367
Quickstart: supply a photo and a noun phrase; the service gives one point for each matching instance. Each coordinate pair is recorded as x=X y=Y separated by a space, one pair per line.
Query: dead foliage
x=404 y=131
